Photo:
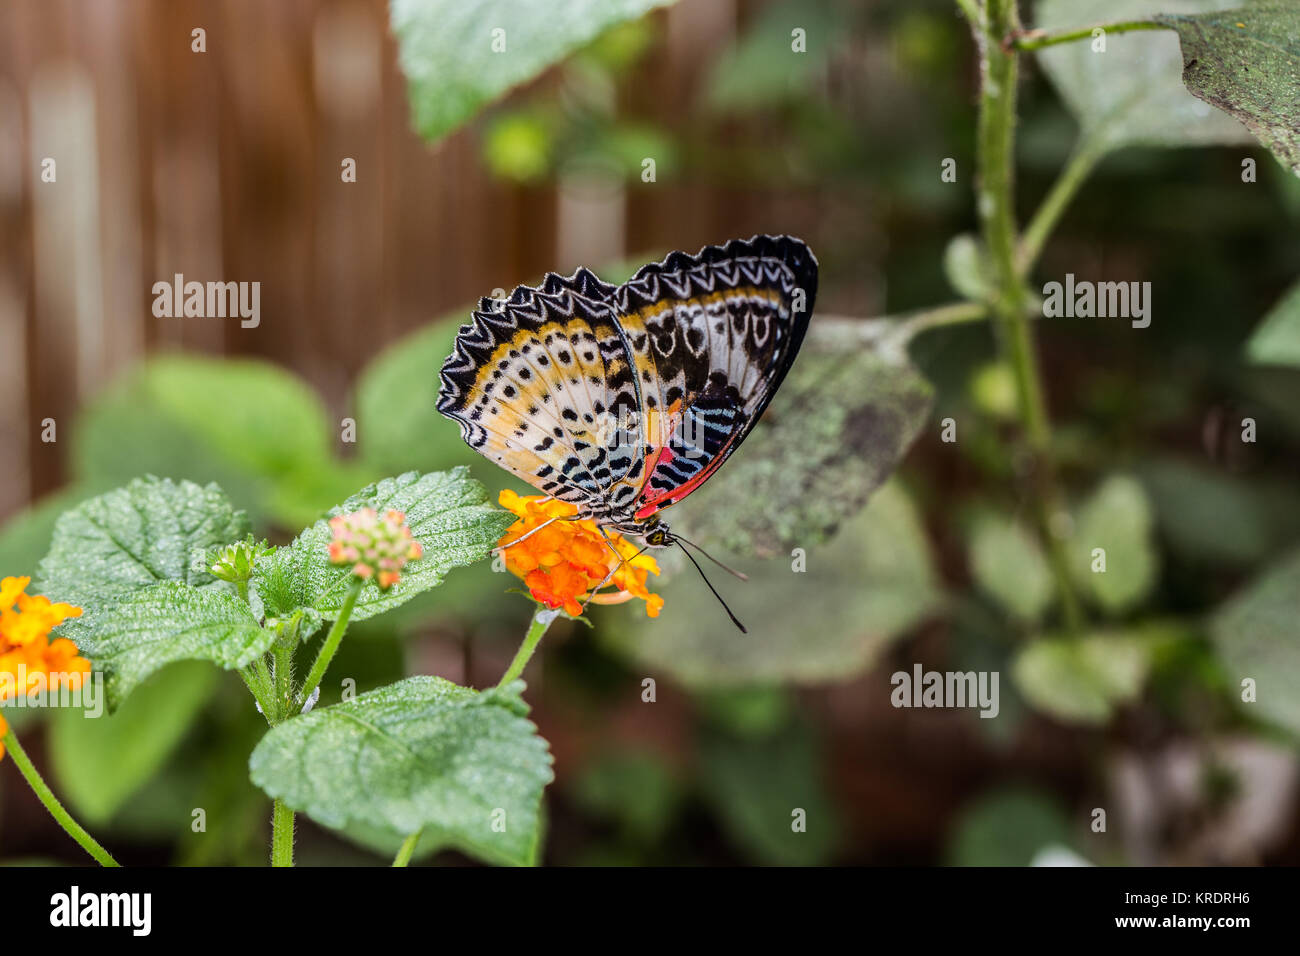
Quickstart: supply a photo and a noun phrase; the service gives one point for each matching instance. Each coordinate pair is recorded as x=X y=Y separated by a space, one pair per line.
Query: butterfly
x=623 y=400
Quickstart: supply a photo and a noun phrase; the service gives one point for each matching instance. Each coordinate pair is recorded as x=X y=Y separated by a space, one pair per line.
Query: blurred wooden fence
x=225 y=165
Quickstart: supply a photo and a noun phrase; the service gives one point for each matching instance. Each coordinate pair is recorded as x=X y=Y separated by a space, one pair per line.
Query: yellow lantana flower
x=27 y=655
x=563 y=561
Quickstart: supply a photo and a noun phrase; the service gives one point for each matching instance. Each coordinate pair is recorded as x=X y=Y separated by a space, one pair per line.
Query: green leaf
x=1208 y=516
x=1257 y=634
x=445 y=48
x=419 y=754
x=153 y=530
x=1131 y=93
x=1276 y=340
x=860 y=591
x=1117 y=518
x=1082 y=680
x=636 y=789
x=101 y=763
x=250 y=426
x=398 y=424
x=146 y=629
x=1007 y=828
x=755 y=787
x=25 y=536
x=762 y=70
x=447 y=514
x=967 y=267
x=1246 y=61
x=1009 y=565
x=839 y=426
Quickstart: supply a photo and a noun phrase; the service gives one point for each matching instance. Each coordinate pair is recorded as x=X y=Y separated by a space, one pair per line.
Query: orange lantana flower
x=563 y=561
x=28 y=658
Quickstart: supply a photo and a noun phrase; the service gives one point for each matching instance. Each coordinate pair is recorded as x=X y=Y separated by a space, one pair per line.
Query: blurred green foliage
x=1199 y=527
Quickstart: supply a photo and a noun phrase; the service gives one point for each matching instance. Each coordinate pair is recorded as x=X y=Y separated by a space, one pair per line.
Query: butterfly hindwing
x=711 y=336
x=623 y=400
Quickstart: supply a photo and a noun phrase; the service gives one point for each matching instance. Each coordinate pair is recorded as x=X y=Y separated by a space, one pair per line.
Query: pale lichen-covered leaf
x=1257 y=633
x=468 y=768
x=142 y=631
x=152 y=530
x=1246 y=61
x=1131 y=94
x=447 y=513
x=1276 y=340
x=446 y=49
x=860 y=591
x=837 y=428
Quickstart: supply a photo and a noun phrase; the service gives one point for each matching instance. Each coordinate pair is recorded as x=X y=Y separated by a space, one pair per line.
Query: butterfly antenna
x=732 y=571
x=734 y=620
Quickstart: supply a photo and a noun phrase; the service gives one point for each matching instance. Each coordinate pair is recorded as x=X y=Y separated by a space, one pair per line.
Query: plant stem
x=1037 y=39
x=281 y=835
x=408 y=847
x=331 y=645
x=1089 y=151
x=47 y=797
x=996 y=141
x=542 y=619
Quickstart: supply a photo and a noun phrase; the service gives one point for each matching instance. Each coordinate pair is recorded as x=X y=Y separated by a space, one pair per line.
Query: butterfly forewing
x=624 y=399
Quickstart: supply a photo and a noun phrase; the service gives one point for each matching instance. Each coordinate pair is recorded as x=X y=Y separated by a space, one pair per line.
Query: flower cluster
x=29 y=660
x=563 y=561
x=376 y=547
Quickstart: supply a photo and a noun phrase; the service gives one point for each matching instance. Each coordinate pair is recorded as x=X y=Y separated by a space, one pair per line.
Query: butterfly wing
x=534 y=382
x=711 y=337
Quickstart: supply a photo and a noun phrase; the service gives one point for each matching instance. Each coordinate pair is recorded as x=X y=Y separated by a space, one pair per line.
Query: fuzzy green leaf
x=1009 y=565
x=446 y=49
x=1083 y=680
x=101 y=763
x=1131 y=94
x=1118 y=518
x=447 y=513
x=1276 y=340
x=1257 y=633
x=824 y=614
x=153 y=530
x=144 y=630
x=1246 y=61
x=420 y=754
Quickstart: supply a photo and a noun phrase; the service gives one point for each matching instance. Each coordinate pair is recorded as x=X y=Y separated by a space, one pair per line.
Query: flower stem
x=331 y=645
x=542 y=619
x=281 y=835
x=996 y=142
x=408 y=847
x=47 y=797
x=1037 y=39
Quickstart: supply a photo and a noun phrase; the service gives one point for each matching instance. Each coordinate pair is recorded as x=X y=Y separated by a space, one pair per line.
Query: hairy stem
x=331 y=645
x=281 y=835
x=407 y=848
x=996 y=146
x=542 y=619
x=51 y=802
x=1037 y=39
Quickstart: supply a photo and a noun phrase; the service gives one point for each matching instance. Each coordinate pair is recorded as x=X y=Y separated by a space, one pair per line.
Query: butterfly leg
x=525 y=537
x=612 y=571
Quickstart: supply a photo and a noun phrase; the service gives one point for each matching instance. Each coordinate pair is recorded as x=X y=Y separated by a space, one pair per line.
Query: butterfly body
x=623 y=400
